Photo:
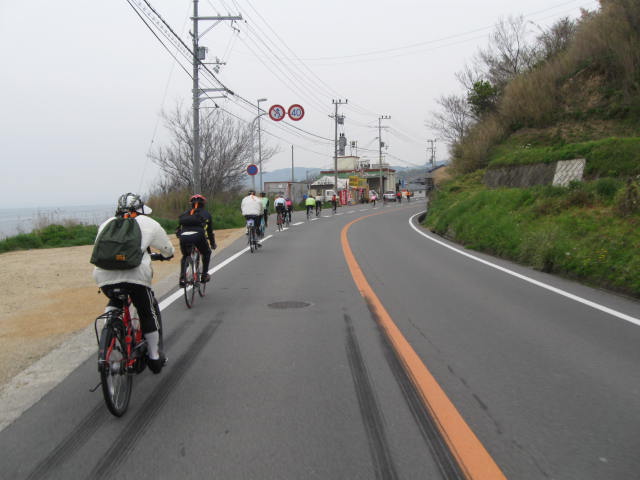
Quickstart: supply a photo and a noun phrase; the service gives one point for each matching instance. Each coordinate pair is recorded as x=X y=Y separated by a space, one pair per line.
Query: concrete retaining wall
x=523 y=176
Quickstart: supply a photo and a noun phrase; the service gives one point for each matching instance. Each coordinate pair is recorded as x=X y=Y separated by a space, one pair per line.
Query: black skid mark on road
x=122 y=446
x=72 y=442
x=369 y=409
x=442 y=456
x=87 y=427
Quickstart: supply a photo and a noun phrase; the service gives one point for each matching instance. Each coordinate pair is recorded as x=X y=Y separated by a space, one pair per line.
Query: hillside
x=581 y=102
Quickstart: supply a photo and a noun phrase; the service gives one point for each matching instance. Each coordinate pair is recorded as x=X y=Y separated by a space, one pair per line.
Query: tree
x=227 y=146
x=508 y=53
x=556 y=38
x=454 y=118
x=482 y=98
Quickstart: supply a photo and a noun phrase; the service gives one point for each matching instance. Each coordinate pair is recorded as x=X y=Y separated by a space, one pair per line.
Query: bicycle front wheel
x=112 y=359
x=189 y=287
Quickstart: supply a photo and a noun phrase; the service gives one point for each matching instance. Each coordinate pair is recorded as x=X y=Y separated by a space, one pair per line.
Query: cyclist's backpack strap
x=118 y=245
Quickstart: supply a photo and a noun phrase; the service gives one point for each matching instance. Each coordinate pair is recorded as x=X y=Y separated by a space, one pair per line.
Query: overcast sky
x=82 y=84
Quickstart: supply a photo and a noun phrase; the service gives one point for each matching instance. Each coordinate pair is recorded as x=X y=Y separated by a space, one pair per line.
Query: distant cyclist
x=137 y=281
x=251 y=207
x=280 y=205
x=318 y=205
x=289 y=206
x=265 y=207
x=310 y=203
x=334 y=202
x=195 y=227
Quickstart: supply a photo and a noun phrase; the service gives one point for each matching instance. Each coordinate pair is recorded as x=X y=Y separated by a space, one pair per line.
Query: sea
x=14 y=221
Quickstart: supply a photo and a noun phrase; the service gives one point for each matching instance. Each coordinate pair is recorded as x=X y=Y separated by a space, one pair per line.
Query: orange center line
x=471 y=455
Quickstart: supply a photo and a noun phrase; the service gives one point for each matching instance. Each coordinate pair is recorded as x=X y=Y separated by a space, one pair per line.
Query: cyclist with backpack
x=195 y=227
x=122 y=260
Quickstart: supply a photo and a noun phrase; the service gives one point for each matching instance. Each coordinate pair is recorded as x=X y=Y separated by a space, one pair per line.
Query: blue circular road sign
x=252 y=169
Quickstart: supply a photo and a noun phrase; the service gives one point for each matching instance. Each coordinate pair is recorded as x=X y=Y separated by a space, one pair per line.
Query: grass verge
x=578 y=231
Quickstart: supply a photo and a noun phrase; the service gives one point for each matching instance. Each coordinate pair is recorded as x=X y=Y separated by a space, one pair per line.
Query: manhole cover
x=289 y=304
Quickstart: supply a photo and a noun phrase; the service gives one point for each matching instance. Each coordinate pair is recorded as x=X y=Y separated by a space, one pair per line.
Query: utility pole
x=198 y=57
x=432 y=149
x=291 y=185
x=380 y=118
x=335 y=141
x=260 y=143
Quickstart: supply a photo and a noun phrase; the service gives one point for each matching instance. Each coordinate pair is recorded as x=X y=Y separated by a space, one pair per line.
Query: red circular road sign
x=296 y=112
x=276 y=112
x=252 y=169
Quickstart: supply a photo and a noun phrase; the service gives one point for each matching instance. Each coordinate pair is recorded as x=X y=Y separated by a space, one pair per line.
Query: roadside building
x=293 y=190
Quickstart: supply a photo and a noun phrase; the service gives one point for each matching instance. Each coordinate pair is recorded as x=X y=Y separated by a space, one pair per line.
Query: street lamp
x=260 y=143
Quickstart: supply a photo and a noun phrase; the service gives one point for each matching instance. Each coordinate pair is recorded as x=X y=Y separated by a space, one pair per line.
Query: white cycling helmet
x=130 y=202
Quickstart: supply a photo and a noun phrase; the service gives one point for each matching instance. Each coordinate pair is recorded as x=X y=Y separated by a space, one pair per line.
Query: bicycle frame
x=132 y=338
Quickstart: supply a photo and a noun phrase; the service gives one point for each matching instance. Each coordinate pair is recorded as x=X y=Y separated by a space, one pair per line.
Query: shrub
x=606 y=188
x=628 y=200
x=50 y=237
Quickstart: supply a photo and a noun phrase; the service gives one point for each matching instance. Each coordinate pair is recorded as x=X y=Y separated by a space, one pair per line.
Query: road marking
x=470 y=454
x=33 y=383
x=326 y=216
x=351 y=211
x=178 y=293
x=297 y=223
x=564 y=293
x=338 y=214
x=314 y=219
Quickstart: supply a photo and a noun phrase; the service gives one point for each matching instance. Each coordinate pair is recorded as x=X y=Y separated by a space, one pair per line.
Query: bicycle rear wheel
x=189 y=287
x=201 y=285
x=116 y=383
x=252 y=236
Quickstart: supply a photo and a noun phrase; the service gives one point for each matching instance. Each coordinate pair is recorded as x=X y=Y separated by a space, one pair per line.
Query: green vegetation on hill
x=610 y=157
x=578 y=98
x=587 y=231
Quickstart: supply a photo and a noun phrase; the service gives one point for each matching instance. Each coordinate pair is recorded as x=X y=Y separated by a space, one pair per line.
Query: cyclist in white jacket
x=137 y=281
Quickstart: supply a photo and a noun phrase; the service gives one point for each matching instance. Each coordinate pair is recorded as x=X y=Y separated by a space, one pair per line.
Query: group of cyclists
x=195 y=229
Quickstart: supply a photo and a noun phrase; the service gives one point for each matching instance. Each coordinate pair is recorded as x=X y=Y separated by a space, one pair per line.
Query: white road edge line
x=29 y=386
x=298 y=223
x=584 y=301
x=178 y=293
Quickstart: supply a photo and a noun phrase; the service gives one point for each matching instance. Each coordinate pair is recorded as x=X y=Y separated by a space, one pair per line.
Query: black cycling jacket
x=206 y=228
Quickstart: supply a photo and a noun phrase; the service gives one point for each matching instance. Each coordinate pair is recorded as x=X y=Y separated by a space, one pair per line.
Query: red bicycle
x=122 y=349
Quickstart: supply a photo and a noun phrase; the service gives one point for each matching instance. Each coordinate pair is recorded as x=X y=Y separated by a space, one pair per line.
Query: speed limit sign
x=296 y=112
x=276 y=112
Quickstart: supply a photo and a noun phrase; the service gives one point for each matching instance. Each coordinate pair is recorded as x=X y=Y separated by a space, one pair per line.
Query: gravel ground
x=48 y=295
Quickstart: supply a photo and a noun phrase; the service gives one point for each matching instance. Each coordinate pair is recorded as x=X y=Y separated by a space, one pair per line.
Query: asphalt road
x=282 y=372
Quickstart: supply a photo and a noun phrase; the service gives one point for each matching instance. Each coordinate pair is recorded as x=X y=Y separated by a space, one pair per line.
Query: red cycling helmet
x=197 y=198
